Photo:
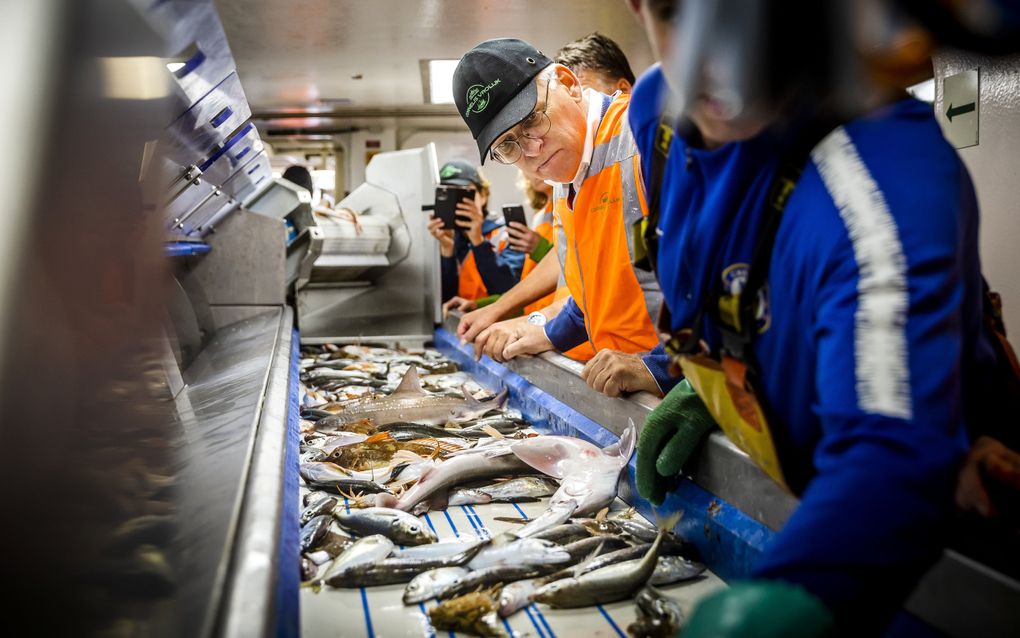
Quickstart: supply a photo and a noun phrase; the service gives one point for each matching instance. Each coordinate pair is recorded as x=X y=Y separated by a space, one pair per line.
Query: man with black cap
x=477 y=263
x=524 y=109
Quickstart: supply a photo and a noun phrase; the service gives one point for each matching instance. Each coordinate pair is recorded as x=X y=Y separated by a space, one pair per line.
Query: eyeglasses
x=533 y=127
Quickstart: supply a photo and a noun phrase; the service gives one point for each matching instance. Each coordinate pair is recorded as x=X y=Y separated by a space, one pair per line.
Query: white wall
x=456 y=145
x=994 y=165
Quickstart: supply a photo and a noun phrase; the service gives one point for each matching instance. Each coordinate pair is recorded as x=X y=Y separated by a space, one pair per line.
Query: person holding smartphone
x=477 y=260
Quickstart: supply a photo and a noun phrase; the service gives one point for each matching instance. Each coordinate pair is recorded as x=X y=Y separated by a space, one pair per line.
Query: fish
x=318 y=508
x=515 y=596
x=509 y=550
x=313 y=532
x=340 y=439
x=604 y=559
x=334 y=544
x=585 y=547
x=313 y=456
x=318 y=557
x=308 y=569
x=332 y=476
x=485 y=578
x=402 y=431
x=399 y=570
x=675 y=569
x=437 y=550
x=377 y=451
x=409 y=402
x=397 y=525
x=424 y=586
x=563 y=534
x=658 y=616
x=367 y=549
x=524 y=488
x=474 y=613
x=435 y=482
x=588 y=475
x=605 y=585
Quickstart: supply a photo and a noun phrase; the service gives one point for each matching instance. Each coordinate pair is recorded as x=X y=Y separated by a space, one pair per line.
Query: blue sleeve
x=657 y=362
x=567 y=330
x=874 y=516
x=450 y=273
x=499 y=271
x=643 y=116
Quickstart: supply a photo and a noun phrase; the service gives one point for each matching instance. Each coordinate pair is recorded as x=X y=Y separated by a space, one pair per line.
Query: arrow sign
x=960 y=110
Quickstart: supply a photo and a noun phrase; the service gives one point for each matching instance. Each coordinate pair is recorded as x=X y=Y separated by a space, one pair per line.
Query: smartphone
x=514 y=214
x=447 y=198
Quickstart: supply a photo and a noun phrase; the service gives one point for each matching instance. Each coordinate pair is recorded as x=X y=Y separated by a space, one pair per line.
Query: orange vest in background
x=619 y=302
x=543 y=225
x=470 y=285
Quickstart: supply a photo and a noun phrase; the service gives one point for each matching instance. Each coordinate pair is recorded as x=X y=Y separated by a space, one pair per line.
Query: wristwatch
x=537 y=318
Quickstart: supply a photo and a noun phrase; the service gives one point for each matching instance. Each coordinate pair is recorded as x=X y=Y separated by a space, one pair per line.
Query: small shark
x=588 y=474
x=410 y=403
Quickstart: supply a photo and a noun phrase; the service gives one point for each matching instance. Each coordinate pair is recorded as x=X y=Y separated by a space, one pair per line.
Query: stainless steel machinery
x=156 y=281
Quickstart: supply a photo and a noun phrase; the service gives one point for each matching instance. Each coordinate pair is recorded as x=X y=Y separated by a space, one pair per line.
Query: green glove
x=760 y=608
x=671 y=432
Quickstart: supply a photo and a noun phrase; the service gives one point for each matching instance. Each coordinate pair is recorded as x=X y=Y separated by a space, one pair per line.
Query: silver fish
x=605 y=585
x=318 y=508
x=425 y=585
x=314 y=531
x=562 y=534
x=437 y=550
x=461 y=496
x=658 y=616
x=368 y=549
x=515 y=490
x=584 y=548
x=435 y=482
x=398 y=570
x=675 y=569
x=409 y=402
x=398 y=526
x=525 y=551
x=515 y=596
x=604 y=559
x=482 y=579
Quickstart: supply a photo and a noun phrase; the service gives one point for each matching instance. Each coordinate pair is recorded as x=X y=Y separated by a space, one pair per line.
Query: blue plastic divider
x=729 y=540
x=288 y=611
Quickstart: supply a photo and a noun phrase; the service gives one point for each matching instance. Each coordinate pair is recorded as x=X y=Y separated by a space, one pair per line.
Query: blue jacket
x=871 y=312
x=500 y=270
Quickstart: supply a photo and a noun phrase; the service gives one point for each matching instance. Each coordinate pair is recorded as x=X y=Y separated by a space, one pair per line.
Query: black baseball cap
x=459 y=173
x=493 y=87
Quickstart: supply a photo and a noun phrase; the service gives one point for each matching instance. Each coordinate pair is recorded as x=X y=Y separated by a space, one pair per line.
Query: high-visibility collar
x=597 y=104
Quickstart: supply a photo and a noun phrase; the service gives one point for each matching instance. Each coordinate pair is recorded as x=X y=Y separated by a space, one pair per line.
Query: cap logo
x=477 y=97
x=449 y=171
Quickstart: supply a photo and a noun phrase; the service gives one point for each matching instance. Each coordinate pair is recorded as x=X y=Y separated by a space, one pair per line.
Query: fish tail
x=666 y=523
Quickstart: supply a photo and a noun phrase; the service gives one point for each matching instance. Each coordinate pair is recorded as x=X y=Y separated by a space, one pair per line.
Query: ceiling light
x=439 y=87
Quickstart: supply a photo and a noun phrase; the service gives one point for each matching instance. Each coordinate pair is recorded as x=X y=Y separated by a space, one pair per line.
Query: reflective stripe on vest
x=542 y=224
x=594 y=238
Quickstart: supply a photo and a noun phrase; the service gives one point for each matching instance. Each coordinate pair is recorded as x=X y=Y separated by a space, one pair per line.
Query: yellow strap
x=738 y=413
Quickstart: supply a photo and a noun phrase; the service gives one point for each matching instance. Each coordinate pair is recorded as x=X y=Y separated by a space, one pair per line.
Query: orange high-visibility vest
x=543 y=225
x=619 y=302
x=470 y=285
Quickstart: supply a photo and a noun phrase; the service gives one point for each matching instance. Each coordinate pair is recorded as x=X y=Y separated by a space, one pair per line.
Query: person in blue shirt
x=867 y=331
x=477 y=261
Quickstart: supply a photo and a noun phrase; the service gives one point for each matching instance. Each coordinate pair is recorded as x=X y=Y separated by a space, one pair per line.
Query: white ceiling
x=293 y=53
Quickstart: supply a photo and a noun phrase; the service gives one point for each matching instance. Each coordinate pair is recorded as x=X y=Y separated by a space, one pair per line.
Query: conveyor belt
x=379 y=611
